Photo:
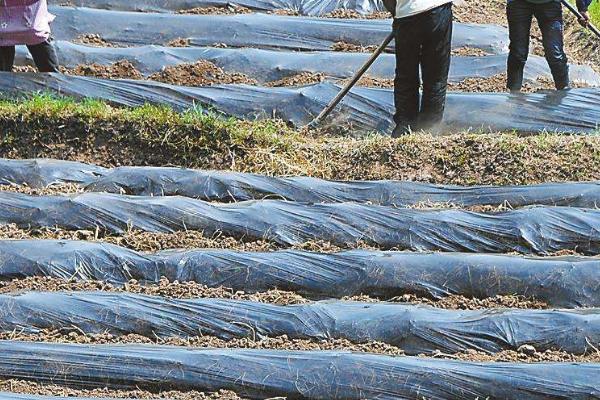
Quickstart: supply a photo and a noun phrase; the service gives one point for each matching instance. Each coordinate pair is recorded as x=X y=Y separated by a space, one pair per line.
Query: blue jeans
x=550 y=19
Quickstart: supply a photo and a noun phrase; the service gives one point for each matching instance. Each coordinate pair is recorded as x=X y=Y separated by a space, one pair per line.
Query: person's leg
x=519 y=14
x=406 y=82
x=44 y=56
x=550 y=19
x=7 y=58
x=435 y=65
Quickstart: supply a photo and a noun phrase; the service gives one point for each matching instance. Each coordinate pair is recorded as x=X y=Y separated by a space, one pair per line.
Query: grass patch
x=595 y=12
x=92 y=131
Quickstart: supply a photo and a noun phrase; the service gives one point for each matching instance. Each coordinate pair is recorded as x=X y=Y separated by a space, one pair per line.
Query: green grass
x=595 y=13
x=92 y=131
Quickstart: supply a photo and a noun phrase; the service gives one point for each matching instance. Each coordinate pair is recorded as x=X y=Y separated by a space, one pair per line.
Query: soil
x=24 y=68
x=466 y=51
x=189 y=290
x=179 y=42
x=304 y=78
x=152 y=242
x=352 y=48
x=229 y=9
x=122 y=69
x=37 y=389
x=481 y=12
x=371 y=81
x=52 y=190
x=352 y=14
x=70 y=335
x=175 y=290
x=462 y=303
x=285 y=12
x=201 y=73
x=92 y=39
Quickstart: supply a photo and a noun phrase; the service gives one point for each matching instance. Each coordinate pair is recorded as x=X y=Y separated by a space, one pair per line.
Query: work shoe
x=401 y=130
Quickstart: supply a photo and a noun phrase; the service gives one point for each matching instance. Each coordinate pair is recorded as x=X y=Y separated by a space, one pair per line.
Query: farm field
x=169 y=229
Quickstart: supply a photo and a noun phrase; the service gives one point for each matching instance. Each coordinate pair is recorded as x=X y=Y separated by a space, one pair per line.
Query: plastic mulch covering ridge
x=366 y=109
x=303 y=7
x=271 y=65
x=251 y=30
x=229 y=186
x=316 y=375
x=42 y=172
x=413 y=328
x=557 y=281
x=531 y=230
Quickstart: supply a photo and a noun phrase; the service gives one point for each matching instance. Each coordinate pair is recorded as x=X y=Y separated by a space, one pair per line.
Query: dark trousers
x=422 y=41
x=44 y=57
x=550 y=19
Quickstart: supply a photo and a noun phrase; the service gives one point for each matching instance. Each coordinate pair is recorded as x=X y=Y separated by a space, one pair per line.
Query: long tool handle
x=575 y=11
x=336 y=100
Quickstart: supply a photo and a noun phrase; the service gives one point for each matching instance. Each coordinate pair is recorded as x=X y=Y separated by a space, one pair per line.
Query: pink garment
x=24 y=22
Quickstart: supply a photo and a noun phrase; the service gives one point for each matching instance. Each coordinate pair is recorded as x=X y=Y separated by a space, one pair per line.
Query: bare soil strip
x=230 y=9
x=93 y=39
x=52 y=190
x=526 y=354
x=37 y=389
x=71 y=335
x=304 y=78
x=190 y=290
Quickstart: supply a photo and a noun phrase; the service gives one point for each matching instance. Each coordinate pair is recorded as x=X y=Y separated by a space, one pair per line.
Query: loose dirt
x=73 y=336
x=497 y=83
x=52 y=190
x=352 y=14
x=285 y=12
x=152 y=242
x=304 y=78
x=229 y=9
x=37 y=389
x=189 y=290
x=92 y=39
x=466 y=51
x=70 y=335
x=352 y=48
x=201 y=73
x=176 y=290
x=179 y=42
x=461 y=302
x=371 y=81
x=24 y=68
x=122 y=69
x=481 y=12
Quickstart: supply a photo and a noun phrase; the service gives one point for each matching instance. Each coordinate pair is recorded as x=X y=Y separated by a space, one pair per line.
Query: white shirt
x=406 y=8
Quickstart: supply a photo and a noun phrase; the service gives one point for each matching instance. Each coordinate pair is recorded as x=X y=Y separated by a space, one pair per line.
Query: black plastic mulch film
x=303 y=7
x=271 y=65
x=235 y=186
x=366 y=109
x=413 y=328
x=539 y=230
x=251 y=30
x=317 y=375
x=558 y=281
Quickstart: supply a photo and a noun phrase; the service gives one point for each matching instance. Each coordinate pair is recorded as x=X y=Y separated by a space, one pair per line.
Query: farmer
x=423 y=30
x=26 y=22
x=550 y=19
